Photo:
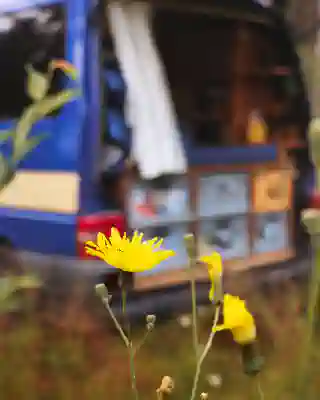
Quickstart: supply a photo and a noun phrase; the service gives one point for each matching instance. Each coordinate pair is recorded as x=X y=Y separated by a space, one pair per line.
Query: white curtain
x=156 y=147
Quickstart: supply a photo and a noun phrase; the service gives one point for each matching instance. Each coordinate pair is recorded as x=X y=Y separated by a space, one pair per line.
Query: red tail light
x=90 y=225
x=315 y=200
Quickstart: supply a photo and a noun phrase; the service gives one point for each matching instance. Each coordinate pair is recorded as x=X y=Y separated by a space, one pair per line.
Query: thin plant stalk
x=131 y=351
x=126 y=341
x=141 y=343
x=314 y=293
x=260 y=391
x=159 y=395
x=123 y=336
x=204 y=353
x=190 y=247
x=194 y=313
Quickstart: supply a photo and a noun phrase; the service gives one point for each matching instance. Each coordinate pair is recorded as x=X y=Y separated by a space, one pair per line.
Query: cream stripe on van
x=43 y=191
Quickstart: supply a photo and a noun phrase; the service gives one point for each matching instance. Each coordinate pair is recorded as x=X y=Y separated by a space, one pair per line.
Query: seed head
x=151 y=319
x=167 y=385
x=102 y=290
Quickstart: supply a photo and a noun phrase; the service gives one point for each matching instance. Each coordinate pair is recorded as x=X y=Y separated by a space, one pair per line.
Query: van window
x=32 y=36
x=221 y=70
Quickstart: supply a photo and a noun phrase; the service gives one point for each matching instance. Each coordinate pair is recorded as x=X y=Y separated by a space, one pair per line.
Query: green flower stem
x=311 y=319
x=190 y=247
x=259 y=390
x=204 y=354
x=133 y=373
x=194 y=314
x=129 y=346
x=105 y=302
x=159 y=395
x=142 y=342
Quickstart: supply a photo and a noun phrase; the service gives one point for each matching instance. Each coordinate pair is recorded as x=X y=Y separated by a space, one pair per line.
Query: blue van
x=56 y=201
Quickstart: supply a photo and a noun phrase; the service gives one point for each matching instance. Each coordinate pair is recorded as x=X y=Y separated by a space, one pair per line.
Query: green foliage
x=6 y=172
x=37 y=84
x=10 y=287
x=69 y=353
x=22 y=141
x=5 y=135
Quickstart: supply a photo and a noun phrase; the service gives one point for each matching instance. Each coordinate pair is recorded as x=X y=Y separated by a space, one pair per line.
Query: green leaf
x=5 y=135
x=23 y=128
x=6 y=172
x=37 y=84
x=53 y=102
x=3 y=167
x=28 y=282
x=37 y=111
x=10 y=286
x=27 y=146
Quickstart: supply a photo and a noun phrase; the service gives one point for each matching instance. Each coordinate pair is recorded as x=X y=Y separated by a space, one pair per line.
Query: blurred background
x=193 y=117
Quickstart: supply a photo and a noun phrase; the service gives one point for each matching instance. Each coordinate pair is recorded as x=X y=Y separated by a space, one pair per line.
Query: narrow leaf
x=27 y=146
x=53 y=102
x=37 y=84
x=6 y=172
x=5 y=135
x=37 y=111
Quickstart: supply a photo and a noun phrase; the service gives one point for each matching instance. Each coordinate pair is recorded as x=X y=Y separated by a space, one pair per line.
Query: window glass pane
x=271 y=232
x=150 y=206
x=173 y=240
x=33 y=36
x=228 y=235
x=223 y=194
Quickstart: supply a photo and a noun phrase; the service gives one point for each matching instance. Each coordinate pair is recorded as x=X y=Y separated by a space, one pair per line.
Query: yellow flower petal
x=94 y=253
x=115 y=238
x=102 y=242
x=158 y=243
x=238 y=320
x=220 y=328
x=214 y=262
x=132 y=255
x=114 y=258
x=137 y=239
x=164 y=254
x=211 y=292
x=90 y=243
x=152 y=241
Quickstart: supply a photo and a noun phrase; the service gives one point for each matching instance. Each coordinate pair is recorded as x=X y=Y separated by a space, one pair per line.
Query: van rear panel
x=39 y=208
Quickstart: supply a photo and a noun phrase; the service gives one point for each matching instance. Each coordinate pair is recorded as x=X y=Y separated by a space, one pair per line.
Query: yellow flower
x=130 y=255
x=238 y=320
x=214 y=264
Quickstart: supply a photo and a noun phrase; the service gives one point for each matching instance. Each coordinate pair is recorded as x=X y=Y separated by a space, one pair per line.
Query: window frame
x=251 y=216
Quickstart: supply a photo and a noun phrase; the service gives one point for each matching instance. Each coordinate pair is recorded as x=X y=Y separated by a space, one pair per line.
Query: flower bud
x=185 y=321
x=214 y=380
x=102 y=291
x=167 y=385
x=151 y=319
x=252 y=361
x=189 y=242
